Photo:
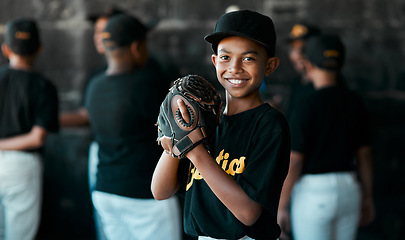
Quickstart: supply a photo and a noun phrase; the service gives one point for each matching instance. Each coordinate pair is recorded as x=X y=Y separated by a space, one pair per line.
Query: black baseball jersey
x=254 y=148
x=298 y=90
x=123 y=110
x=92 y=75
x=27 y=99
x=327 y=127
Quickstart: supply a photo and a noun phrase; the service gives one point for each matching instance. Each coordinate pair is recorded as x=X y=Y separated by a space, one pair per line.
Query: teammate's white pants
x=92 y=177
x=209 y=238
x=20 y=194
x=325 y=207
x=138 y=219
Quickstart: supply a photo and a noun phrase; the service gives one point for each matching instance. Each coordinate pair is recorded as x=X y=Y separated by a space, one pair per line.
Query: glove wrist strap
x=188 y=142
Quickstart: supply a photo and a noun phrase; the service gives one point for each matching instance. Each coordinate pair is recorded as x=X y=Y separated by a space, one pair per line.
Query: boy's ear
x=214 y=59
x=39 y=49
x=6 y=50
x=308 y=65
x=135 y=48
x=138 y=50
x=271 y=65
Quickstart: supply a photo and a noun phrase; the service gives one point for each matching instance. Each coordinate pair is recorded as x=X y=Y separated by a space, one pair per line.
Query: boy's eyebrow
x=250 y=52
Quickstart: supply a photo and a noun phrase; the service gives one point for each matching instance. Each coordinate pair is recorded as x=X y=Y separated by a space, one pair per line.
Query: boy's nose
x=235 y=66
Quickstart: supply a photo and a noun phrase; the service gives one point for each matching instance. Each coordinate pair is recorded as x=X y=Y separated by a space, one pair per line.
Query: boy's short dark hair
x=245 y=23
x=22 y=36
x=122 y=30
x=326 y=52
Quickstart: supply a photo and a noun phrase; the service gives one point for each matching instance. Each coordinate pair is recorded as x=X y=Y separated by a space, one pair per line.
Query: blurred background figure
x=300 y=85
x=123 y=105
x=99 y=21
x=28 y=112
x=80 y=118
x=331 y=149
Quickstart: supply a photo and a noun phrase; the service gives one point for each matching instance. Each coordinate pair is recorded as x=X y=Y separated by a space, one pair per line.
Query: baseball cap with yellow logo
x=326 y=52
x=22 y=36
x=302 y=31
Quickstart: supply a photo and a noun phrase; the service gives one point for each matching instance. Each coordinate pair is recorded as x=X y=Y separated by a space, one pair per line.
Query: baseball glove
x=204 y=106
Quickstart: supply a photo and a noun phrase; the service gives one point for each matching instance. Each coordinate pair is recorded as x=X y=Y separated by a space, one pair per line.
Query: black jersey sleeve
x=47 y=108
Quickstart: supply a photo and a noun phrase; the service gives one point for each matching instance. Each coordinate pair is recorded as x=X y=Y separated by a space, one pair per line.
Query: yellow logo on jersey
x=231 y=167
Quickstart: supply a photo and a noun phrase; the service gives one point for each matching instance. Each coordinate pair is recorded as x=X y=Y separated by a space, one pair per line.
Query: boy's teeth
x=235 y=81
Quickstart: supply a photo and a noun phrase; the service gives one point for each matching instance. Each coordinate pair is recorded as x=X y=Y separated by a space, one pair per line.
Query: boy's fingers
x=183 y=110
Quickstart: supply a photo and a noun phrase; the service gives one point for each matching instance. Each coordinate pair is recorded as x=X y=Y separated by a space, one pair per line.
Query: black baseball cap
x=22 y=36
x=302 y=31
x=326 y=52
x=244 y=23
x=122 y=30
x=107 y=12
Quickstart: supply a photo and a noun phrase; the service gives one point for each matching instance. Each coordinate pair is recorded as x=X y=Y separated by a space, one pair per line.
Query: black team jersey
x=328 y=126
x=123 y=110
x=254 y=148
x=27 y=99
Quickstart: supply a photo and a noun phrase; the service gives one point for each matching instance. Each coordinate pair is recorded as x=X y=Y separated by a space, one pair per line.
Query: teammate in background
x=301 y=85
x=99 y=20
x=123 y=106
x=80 y=118
x=330 y=141
x=233 y=188
x=28 y=112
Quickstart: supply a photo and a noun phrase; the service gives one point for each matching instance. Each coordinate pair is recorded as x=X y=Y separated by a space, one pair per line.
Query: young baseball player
x=123 y=105
x=28 y=112
x=233 y=187
x=329 y=130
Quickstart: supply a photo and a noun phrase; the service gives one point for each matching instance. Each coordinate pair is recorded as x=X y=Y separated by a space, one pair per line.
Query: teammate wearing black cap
x=233 y=188
x=329 y=131
x=99 y=20
x=28 y=112
x=79 y=117
x=300 y=85
x=123 y=105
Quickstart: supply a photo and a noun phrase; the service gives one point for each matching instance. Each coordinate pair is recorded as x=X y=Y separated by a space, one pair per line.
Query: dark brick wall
x=373 y=32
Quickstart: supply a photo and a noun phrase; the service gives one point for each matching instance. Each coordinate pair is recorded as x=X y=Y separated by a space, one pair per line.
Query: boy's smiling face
x=241 y=64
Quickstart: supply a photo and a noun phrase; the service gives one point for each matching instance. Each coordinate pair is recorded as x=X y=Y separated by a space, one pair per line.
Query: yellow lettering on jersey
x=195 y=174
x=236 y=166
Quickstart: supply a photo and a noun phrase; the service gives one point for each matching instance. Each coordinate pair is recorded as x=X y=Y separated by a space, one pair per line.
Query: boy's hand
x=283 y=219
x=367 y=211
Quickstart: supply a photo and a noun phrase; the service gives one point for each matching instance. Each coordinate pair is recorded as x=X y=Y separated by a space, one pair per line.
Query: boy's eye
x=224 y=57
x=248 y=59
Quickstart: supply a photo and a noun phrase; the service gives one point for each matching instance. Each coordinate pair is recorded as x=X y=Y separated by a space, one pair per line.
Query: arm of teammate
x=74 y=119
x=164 y=180
x=31 y=140
x=365 y=166
x=294 y=173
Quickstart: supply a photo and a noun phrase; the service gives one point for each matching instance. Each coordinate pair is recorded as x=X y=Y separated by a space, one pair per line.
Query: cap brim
x=215 y=38
x=93 y=17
